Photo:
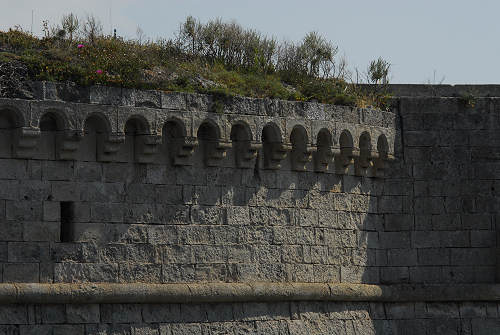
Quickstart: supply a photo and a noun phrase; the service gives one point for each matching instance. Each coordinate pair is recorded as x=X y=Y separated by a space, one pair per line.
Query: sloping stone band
x=63 y=293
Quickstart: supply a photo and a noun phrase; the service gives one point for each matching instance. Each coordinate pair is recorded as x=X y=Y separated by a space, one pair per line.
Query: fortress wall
x=283 y=318
x=451 y=161
x=103 y=185
x=181 y=192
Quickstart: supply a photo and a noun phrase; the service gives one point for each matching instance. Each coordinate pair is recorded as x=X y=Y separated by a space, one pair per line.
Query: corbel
x=246 y=153
x=25 y=142
x=345 y=158
x=299 y=158
x=277 y=152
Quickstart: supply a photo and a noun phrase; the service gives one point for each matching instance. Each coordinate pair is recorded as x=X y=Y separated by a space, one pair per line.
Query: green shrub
x=216 y=57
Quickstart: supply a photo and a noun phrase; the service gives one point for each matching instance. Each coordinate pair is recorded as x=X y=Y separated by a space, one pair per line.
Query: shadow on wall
x=195 y=217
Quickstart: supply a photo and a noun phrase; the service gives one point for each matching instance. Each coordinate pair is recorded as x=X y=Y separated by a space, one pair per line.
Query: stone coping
x=82 y=293
x=440 y=90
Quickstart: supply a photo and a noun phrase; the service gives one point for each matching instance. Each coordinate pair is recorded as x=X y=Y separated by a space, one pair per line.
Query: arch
x=137 y=125
x=56 y=117
x=365 y=142
x=241 y=136
x=98 y=119
x=324 y=138
x=208 y=130
x=271 y=138
x=299 y=155
x=51 y=125
x=383 y=146
x=271 y=133
x=135 y=129
x=207 y=134
x=298 y=136
x=173 y=134
x=14 y=117
x=240 y=131
x=10 y=119
x=324 y=154
x=95 y=131
x=345 y=140
x=173 y=128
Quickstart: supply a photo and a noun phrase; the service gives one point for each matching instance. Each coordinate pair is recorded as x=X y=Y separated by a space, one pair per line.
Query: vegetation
x=215 y=57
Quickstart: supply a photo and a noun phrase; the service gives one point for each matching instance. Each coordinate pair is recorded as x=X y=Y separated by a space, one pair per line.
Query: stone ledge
x=440 y=90
x=63 y=293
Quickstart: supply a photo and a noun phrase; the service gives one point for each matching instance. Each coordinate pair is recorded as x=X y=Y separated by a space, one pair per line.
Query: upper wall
x=182 y=116
x=109 y=185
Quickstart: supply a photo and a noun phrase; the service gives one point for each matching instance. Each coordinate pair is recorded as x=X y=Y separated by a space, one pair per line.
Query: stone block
x=88 y=171
x=32 y=330
x=398 y=222
x=51 y=211
x=485 y=326
x=472 y=310
x=68 y=329
x=28 y=252
x=13 y=169
x=21 y=273
x=13 y=314
x=426 y=239
x=400 y=310
x=394 y=275
x=483 y=239
x=426 y=274
x=58 y=170
x=434 y=256
x=390 y=204
x=402 y=257
x=142 y=273
x=473 y=256
x=52 y=314
x=394 y=240
x=88 y=272
x=37 y=190
x=23 y=210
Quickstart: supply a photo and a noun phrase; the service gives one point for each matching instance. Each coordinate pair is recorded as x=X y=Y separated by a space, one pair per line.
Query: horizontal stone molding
x=304 y=136
x=95 y=293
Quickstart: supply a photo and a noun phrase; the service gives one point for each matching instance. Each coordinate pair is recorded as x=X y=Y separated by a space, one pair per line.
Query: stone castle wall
x=102 y=186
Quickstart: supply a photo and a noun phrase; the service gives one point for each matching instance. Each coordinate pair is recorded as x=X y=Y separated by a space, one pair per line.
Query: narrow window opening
x=67 y=221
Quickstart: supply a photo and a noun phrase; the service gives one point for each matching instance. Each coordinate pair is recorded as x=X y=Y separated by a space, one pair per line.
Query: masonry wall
x=183 y=207
x=105 y=185
x=449 y=176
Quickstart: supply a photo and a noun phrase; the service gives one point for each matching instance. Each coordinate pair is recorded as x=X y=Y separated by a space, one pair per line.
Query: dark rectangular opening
x=67 y=221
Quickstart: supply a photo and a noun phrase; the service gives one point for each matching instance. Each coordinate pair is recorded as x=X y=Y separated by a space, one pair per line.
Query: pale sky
x=458 y=40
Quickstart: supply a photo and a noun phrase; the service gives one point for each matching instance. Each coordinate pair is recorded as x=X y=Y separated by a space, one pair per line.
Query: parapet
x=126 y=125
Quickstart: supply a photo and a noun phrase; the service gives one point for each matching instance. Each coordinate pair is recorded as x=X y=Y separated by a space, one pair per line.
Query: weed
x=218 y=58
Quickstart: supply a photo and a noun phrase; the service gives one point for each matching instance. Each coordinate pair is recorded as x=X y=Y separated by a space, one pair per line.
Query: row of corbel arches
x=52 y=138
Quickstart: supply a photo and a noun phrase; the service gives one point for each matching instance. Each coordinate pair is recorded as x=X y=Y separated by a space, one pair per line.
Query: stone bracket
x=380 y=164
x=111 y=146
x=183 y=149
x=344 y=158
x=68 y=145
x=216 y=151
x=364 y=161
x=147 y=148
x=246 y=158
x=278 y=153
x=299 y=159
x=26 y=141
x=323 y=158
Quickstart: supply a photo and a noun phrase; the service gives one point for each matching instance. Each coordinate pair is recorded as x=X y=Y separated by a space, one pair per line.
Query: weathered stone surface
x=157 y=193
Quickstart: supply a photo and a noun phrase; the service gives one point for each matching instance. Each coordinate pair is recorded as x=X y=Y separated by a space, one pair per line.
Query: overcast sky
x=423 y=40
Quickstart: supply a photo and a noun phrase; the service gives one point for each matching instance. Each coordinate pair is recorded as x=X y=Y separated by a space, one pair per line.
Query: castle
x=144 y=212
